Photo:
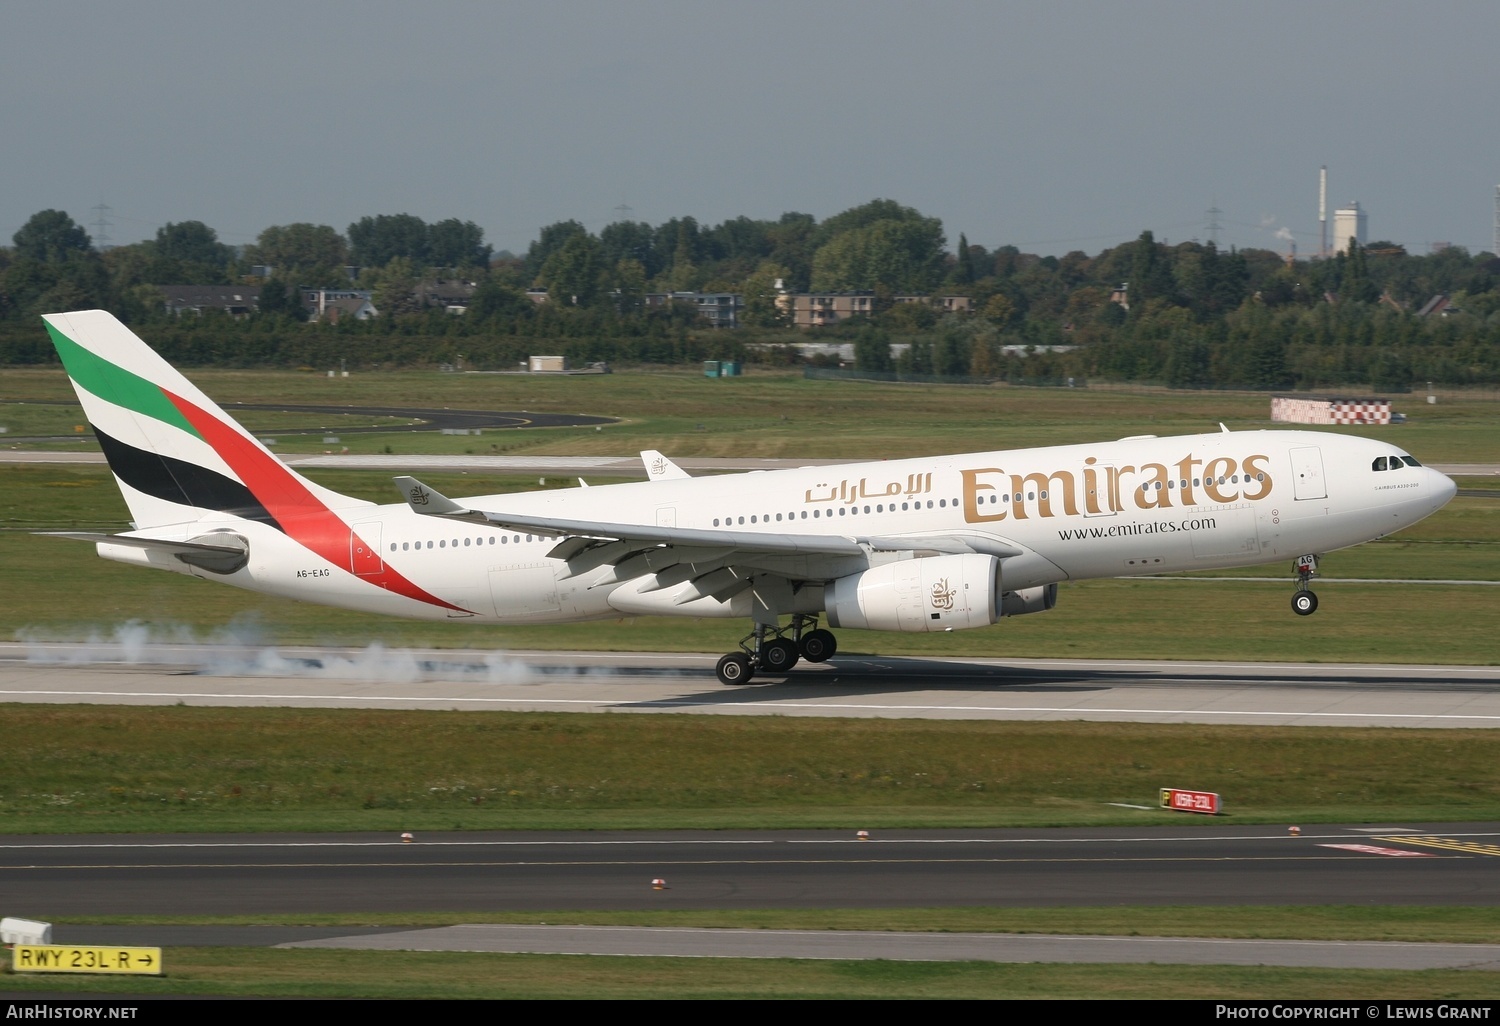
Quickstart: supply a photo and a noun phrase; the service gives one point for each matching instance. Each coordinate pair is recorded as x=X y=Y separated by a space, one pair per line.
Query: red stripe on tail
x=299 y=512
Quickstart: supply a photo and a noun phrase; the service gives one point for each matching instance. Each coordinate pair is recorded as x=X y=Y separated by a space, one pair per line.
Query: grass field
x=262 y=972
x=314 y=973
x=772 y=414
x=66 y=769
x=201 y=769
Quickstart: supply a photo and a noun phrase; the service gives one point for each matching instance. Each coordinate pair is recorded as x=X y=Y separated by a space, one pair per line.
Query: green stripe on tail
x=116 y=384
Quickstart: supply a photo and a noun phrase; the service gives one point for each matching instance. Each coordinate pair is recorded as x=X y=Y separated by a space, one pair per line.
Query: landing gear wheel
x=1304 y=603
x=778 y=656
x=734 y=669
x=818 y=646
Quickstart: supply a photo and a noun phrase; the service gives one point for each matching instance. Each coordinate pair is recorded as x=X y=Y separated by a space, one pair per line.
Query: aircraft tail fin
x=176 y=455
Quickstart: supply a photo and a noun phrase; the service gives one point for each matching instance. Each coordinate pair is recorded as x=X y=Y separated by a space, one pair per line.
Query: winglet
x=431 y=502
x=660 y=468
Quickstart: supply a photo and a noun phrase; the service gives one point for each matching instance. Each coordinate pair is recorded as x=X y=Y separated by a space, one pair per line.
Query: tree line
x=1187 y=315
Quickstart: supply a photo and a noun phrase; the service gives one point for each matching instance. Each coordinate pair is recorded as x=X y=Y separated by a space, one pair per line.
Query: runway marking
x=665 y=842
x=680 y=863
x=447 y=701
x=356 y=844
x=1370 y=849
x=1448 y=843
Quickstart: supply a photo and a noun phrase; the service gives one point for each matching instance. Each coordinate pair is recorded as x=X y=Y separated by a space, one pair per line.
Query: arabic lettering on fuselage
x=1104 y=488
x=850 y=492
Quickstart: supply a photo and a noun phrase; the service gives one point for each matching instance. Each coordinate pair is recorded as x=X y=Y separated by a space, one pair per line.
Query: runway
x=1213 y=864
x=129 y=672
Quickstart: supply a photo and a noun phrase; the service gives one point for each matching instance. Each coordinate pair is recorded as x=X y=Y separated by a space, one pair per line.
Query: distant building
x=235 y=300
x=1439 y=305
x=452 y=296
x=721 y=309
x=818 y=309
x=335 y=304
x=1348 y=226
x=943 y=304
x=547 y=364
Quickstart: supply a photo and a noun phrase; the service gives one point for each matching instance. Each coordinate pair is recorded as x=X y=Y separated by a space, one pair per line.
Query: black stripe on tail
x=174 y=480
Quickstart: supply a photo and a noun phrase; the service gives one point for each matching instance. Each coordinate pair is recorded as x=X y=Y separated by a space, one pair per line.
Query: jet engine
x=934 y=593
x=1028 y=600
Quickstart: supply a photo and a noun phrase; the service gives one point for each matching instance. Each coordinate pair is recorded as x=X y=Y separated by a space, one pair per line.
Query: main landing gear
x=1304 y=602
x=768 y=649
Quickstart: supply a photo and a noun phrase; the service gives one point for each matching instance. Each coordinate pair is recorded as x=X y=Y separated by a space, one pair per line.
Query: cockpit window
x=1379 y=464
x=1410 y=462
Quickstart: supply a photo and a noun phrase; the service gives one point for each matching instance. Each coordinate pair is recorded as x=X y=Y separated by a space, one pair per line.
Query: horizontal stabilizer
x=216 y=557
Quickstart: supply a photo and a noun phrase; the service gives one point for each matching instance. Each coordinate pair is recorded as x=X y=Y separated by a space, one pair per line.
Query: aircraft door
x=364 y=549
x=521 y=591
x=1097 y=497
x=1307 y=473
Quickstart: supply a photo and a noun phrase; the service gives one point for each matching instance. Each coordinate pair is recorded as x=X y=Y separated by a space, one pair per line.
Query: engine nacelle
x=1028 y=600
x=934 y=593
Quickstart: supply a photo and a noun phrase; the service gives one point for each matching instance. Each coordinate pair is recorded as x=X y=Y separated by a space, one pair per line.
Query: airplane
x=937 y=543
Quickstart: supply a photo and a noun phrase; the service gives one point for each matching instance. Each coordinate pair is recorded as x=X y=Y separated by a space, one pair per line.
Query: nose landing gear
x=1304 y=602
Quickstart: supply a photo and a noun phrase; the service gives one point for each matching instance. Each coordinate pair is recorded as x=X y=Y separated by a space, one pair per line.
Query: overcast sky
x=1051 y=126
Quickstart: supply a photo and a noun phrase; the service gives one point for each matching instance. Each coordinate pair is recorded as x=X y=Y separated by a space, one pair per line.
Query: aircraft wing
x=580 y=535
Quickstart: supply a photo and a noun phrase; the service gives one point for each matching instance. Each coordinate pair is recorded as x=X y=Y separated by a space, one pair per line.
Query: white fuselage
x=1136 y=506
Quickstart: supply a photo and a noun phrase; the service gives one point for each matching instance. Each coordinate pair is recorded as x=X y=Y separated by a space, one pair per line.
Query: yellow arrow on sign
x=68 y=958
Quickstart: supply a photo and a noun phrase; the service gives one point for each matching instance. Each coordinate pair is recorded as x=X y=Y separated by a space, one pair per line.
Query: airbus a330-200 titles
x=933 y=544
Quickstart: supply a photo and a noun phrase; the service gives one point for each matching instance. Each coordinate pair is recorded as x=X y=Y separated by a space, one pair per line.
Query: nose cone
x=1442 y=488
